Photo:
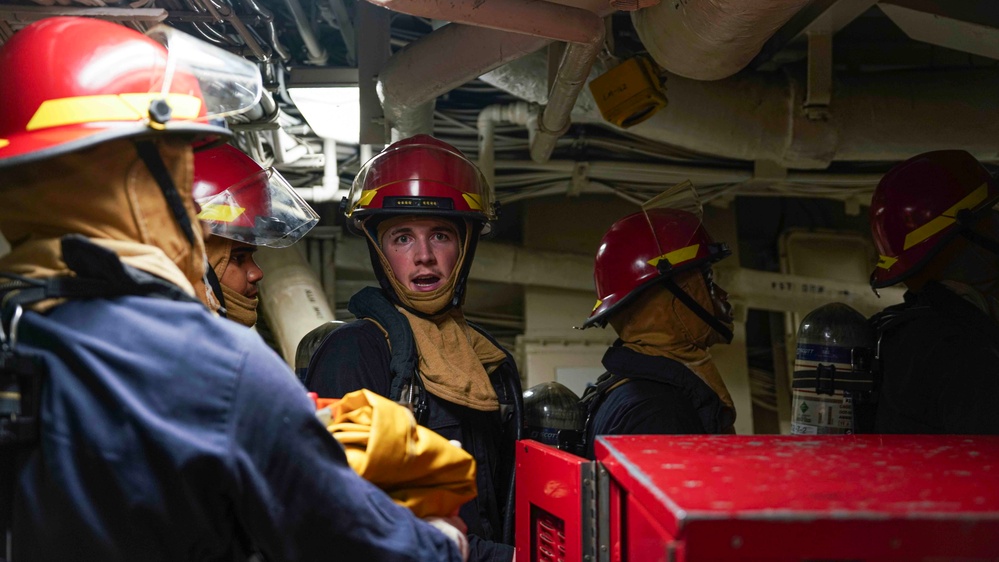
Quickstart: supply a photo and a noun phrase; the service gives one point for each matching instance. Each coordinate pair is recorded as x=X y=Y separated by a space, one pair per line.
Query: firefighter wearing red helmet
x=244 y=206
x=655 y=287
x=935 y=228
x=134 y=424
x=421 y=205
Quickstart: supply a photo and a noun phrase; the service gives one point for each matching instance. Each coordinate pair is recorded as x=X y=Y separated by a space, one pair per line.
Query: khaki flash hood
x=239 y=309
x=106 y=194
x=659 y=324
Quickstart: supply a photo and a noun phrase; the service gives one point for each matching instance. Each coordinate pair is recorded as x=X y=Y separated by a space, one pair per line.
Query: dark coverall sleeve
x=300 y=499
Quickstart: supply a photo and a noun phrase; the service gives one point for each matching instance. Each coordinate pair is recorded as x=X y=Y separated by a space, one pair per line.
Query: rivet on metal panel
x=736 y=541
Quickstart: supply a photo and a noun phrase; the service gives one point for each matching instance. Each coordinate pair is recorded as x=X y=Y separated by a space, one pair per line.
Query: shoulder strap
x=888 y=320
x=593 y=397
x=371 y=303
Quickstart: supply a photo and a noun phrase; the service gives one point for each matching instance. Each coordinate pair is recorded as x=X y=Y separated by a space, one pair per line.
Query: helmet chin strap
x=212 y=280
x=697 y=309
x=154 y=162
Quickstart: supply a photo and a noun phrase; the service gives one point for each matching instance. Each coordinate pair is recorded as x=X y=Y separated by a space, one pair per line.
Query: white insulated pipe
x=518 y=113
x=573 y=71
x=765 y=290
x=528 y=17
x=438 y=63
x=759 y=117
x=783 y=292
x=583 y=29
x=710 y=40
x=293 y=299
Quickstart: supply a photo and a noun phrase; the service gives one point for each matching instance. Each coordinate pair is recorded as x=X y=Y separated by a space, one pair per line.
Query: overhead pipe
x=759 y=117
x=416 y=75
x=518 y=113
x=554 y=121
x=583 y=29
x=292 y=297
x=710 y=40
x=268 y=17
x=504 y=263
x=225 y=12
x=317 y=54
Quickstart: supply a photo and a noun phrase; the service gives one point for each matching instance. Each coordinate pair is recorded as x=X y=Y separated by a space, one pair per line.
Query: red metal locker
x=864 y=497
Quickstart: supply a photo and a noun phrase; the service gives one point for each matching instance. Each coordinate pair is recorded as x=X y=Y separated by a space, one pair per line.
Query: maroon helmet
x=921 y=204
x=644 y=248
x=241 y=201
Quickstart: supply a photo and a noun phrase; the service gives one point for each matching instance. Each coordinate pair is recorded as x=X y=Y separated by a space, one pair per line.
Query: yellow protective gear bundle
x=415 y=466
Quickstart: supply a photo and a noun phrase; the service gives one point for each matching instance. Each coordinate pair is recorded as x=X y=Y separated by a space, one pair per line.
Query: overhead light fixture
x=332 y=113
x=329 y=100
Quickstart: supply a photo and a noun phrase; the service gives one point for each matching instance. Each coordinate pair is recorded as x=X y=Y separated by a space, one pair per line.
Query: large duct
x=502 y=263
x=759 y=116
x=413 y=77
x=293 y=299
x=709 y=40
x=581 y=28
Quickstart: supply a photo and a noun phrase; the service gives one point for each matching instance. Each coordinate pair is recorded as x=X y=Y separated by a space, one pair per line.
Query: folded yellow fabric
x=417 y=467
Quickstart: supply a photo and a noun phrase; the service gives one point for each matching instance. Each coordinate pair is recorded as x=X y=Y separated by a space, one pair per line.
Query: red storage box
x=863 y=497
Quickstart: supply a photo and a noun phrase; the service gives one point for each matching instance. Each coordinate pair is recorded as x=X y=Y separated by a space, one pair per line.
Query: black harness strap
x=154 y=162
x=371 y=303
x=697 y=309
x=591 y=400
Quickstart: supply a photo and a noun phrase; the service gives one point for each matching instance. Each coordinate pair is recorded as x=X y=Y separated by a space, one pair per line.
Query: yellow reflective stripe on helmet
x=885 y=262
x=474 y=201
x=596 y=306
x=946 y=218
x=220 y=213
x=676 y=256
x=121 y=107
x=366 y=196
x=4 y=142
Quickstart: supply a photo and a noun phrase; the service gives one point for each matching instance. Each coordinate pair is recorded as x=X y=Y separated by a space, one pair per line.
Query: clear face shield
x=261 y=210
x=681 y=197
x=228 y=83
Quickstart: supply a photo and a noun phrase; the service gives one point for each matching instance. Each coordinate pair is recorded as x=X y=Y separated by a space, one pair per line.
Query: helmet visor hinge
x=160 y=111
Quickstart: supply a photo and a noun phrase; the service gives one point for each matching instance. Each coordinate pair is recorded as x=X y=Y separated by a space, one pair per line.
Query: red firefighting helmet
x=644 y=248
x=420 y=175
x=244 y=202
x=917 y=209
x=70 y=82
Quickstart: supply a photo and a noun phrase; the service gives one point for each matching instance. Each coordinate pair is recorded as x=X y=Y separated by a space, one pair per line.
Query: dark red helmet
x=241 y=201
x=420 y=175
x=920 y=205
x=644 y=248
x=71 y=82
